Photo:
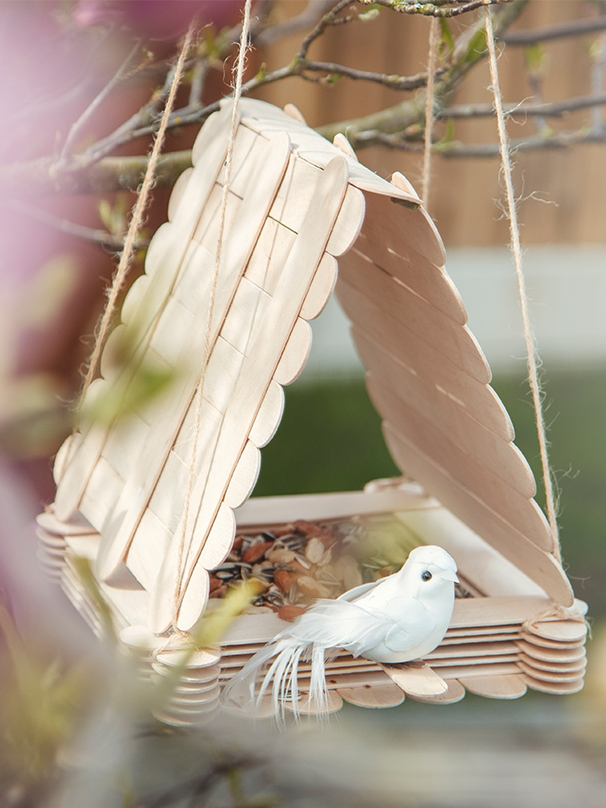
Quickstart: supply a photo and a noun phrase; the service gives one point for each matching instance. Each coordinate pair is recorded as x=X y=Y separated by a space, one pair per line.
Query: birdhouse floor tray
x=505 y=635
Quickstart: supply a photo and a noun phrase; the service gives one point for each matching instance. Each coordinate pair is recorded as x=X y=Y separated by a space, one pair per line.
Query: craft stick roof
x=295 y=203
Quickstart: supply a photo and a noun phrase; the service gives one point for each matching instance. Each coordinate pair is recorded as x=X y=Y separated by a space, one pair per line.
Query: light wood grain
x=321 y=288
x=454 y=341
x=295 y=355
x=377 y=697
x=466 y=442
x=269 y=416
x=153 y=454
x=454 y=693
x=556 y=655
x=177 y=193
x=416 y=681
x=270 y=255
x=528 y=664
x=518 y=548
x=349 y=223
x=561 y=630
x=309 y=706
x=496 y=687
x=259 y=367
x=556 y=688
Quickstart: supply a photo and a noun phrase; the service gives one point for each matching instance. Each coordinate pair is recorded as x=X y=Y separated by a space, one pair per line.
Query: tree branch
x=549 y=110
x=574 y=28
x=394 y=82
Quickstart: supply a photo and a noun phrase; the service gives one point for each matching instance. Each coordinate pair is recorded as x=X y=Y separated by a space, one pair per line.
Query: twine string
x=429 y=113
x=187 y=535
x=516 y=249
x=128 y=252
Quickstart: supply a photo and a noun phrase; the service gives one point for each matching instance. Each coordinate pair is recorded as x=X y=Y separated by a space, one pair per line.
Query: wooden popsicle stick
x=553 y=644
x=471 y=441
x=244 y=477
x=419 y=275
x=551 y=676
x=187 y=688
x=454 y=661
x=309 y=706
x=270 y=255
x=530 y=664
x=152 y=457
x=341 y=142
x=416 y=681
x=223 y=531
x=321 y=288
x=177 y=192
x=557 y=688
x=245 y=315
x=249 y=148
x=548 y=655
x=452 y=695
x=435 y=371
x=199 y=720
x=473 y=650
x=463 y=672
x=269 y=416
x=78 y=472
x=561 y=630
x=377 y=697
x=258 y=370
x=295 y=355
x=513 y=507
x=518 y=548
x=196 y=677
x=348 y=224
x=461 y=408
x=400 y=181
x=285 y=509
x=455 y=342
x=392 y=225
x=76 y=526
x=65 y=452
x=191 y=711
x=510 y=686
x=194 y=699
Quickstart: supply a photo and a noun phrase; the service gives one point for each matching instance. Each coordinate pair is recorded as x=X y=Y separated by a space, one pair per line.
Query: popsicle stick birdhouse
x=156 y=493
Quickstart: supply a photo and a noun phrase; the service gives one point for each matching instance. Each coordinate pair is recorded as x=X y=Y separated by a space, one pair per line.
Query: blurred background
x=58 y=252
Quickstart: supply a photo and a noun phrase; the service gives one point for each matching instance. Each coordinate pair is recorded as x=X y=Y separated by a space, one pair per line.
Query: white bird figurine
x=395 y=619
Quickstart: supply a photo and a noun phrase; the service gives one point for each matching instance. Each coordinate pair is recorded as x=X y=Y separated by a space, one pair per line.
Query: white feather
x=396 y=619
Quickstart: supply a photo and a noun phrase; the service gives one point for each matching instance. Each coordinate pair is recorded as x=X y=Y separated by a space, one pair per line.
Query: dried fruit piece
x=283 y=580
x=215 y=583
x=219 y=591
x=256 y=552
x=314 y=551
x=290 y=612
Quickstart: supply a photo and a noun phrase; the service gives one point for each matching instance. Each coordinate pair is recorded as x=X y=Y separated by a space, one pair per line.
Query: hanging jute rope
x=431 y=70
x=185 y=542
x=136 y=222
x=533 y=373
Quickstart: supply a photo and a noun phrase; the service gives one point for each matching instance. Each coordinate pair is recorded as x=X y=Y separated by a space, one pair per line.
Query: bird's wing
x=352 y=594
x=340 y=624
x=415 y=625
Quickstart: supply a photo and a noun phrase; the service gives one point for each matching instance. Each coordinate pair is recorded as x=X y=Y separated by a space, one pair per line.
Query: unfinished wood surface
x=528 y=662
x=309 y=706
x=244 y=477
x=560 y=630
x=454 y=693
x=192 y=676
x=254 y=380
x=295 y=355
x=269 y=416
x=511 y=686
x=555 y=655
x=349 y=223
x=177 y=192
x=322 y=287
x=154 y=452
x=539 y=565
x=467 y=447
x=479 y=649
x=377 y=697
x=170 y=253
x=428 y=323
x=556 y=688
x=416 y=681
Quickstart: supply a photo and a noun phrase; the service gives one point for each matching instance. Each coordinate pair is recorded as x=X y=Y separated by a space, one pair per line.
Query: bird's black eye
x=426 y=576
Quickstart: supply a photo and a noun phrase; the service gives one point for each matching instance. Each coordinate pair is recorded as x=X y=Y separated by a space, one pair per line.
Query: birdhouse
x=155 y=490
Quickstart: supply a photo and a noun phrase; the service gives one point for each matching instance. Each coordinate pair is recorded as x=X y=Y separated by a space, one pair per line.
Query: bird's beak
x=449 y=575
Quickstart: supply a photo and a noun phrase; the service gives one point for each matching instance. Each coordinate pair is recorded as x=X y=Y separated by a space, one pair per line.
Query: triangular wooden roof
x=296 y=203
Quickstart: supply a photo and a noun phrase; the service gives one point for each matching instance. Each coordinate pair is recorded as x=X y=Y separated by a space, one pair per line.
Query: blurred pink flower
x=157 y=19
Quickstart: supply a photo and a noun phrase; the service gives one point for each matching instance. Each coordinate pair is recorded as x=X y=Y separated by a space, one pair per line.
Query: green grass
x=330 y=440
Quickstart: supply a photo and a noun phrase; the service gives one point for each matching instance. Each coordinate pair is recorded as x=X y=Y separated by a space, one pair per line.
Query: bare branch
x=436 y=9
x=43 y=176
x=394 y=82
x=329 y=19
x=574 y=28
x=77 y=127
x=314 y=10
x=101 y=237
x=548 y=110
